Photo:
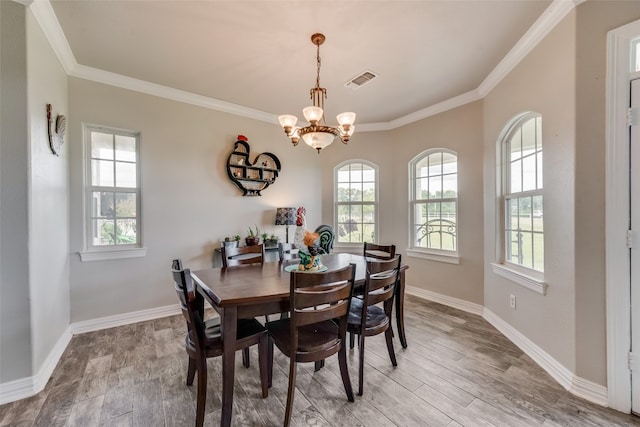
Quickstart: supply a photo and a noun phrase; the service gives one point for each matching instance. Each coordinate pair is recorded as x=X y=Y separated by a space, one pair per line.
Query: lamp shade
x=285 y=216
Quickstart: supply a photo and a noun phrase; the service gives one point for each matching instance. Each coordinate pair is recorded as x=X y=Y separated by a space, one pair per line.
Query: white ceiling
x=257 y=55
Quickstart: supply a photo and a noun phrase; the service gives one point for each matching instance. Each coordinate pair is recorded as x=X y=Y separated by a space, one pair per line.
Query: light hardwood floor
x=457 y=371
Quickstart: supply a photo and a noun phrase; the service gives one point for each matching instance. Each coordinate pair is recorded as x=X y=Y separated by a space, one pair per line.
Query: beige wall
x=15 y=310
x=595 y=19
x=188 y=202
x=543 y=82
x=49 y=198
x=458 y=130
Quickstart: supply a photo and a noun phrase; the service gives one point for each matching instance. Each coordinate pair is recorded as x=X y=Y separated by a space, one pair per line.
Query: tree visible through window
x=524 y=233
x=434 y=200
x=113 y=191
x=355 y=207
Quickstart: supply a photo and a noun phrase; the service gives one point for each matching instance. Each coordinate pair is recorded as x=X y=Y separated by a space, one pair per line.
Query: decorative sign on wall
x=251 y=177
x=56 y=136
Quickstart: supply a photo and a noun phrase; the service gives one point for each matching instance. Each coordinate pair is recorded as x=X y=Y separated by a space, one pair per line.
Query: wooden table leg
x=229 y=331
x=400 y=310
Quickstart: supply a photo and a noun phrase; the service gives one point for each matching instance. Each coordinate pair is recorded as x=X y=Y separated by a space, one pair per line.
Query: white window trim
x=451 y=257
x=111 y=252
x=434 y=255
x=351 y=246
x=524 y=276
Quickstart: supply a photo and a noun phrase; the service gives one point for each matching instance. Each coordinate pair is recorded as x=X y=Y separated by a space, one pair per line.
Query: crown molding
x=48 y=21
x=551 y=16
x=46 y=17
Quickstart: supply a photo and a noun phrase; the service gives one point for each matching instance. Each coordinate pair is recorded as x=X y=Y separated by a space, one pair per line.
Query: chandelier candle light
x=318 y=135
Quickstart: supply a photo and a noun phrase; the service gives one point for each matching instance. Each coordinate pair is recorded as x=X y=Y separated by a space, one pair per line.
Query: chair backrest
x=372 y=250
x=380 y=282
x=316 y=298
x=191 y=302
x=288 y=251
x=327 y=237
x=253 y=254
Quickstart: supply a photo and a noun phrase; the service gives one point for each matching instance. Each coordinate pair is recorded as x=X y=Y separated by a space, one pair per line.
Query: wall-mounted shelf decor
x=251 y=177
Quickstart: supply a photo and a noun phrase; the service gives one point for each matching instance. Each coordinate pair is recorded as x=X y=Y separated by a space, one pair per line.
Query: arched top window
x=434 y=201
x=523 y=196
x=356 y=202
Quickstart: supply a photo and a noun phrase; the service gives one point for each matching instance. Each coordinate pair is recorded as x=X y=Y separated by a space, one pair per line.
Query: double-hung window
x=434 y=205
x=112 y=193
x=356 y=202
x=523 y=207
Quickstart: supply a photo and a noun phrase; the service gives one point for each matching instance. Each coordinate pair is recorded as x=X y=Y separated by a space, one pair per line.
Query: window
x=434 y=201
x=523 y=207
x=113 y=190
x=356 y=202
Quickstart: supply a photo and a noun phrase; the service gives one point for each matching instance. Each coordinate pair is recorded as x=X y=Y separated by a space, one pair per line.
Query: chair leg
x=290 y=393
x=263 y=360
x=361 y=365
x=245 y=358
x=191 y=371
x=352 y=340
x=202 y=391
x=388 y=334
x=270 y=361
x=344 y=372
x=319 y=364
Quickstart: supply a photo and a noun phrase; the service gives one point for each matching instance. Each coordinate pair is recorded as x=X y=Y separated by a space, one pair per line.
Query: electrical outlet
x=512 y=301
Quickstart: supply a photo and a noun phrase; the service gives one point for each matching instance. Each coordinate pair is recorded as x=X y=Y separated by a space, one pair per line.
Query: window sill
x=112 y=254
x=535 y=284
x=435 y=256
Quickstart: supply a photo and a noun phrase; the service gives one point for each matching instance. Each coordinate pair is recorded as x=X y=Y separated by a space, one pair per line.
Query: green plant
x=227 y=239
x=274 y=237
x=236 y=237
x=264 y=236
x=254 y=233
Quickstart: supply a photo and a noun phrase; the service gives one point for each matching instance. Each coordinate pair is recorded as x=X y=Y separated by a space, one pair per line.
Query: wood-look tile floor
x=457 y=371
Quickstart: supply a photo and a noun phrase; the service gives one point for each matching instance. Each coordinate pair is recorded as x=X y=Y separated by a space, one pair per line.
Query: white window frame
x=355 y=245
x=530 y=278
x=105 y=252
x=433 y=254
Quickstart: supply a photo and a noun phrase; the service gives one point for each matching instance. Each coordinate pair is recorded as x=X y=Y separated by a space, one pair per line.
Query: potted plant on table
x=231 y=242
x=253 y=237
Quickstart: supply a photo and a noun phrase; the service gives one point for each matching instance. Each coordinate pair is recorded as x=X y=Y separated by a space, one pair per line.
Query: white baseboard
x=123 y=319
x=30 y=386
x=580 y=387
x=460 y=304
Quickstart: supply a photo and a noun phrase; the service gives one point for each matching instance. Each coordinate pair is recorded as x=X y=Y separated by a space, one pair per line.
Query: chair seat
x=311 y=338
x=213 y=332
x=375 y=315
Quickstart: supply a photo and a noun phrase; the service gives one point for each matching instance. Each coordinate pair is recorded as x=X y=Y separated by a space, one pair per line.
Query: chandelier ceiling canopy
x=318 y=134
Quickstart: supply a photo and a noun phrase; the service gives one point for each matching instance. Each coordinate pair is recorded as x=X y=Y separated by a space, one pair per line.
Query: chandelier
x=318 y=135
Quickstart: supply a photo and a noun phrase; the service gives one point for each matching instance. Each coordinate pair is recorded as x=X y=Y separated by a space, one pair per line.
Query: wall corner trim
x=29 y=386
x=577 y=386
x=580 y=387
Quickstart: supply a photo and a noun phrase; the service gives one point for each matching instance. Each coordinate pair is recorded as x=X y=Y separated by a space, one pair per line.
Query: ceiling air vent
x=361 y=79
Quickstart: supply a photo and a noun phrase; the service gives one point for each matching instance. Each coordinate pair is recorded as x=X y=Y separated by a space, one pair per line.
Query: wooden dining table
x=254 y=290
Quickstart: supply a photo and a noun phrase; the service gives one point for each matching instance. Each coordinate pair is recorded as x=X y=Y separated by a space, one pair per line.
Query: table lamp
x=286 y=216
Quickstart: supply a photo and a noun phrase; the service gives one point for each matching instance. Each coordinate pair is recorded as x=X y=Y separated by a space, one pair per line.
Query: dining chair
x=204 y=340
x=242 y=255
x=372 y=250
x=288 y=251
x=327 y=237
x=366 y=317
x=317 y=325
